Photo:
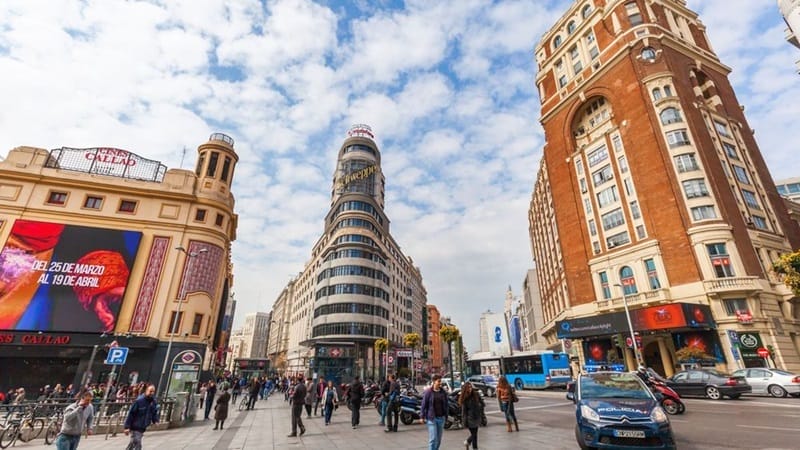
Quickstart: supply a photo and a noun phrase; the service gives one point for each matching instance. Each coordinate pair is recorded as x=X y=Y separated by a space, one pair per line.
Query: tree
x=412 y=340
x=449 y=333
x=382 y=345
x=788 y=265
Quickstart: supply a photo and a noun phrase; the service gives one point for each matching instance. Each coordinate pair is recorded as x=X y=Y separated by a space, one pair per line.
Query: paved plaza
x=267 y=426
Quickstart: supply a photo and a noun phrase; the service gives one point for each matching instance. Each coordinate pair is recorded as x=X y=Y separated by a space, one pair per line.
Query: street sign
x=762 y=352
x=391 y=359
x=117 y=355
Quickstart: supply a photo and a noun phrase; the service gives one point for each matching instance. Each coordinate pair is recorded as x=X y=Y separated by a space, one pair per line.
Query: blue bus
x=526 y=370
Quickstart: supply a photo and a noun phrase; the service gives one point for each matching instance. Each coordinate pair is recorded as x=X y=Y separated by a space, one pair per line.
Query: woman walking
x=221 y=410
x=471 y=412
x=309 y=400
x=507 y=396
x=331 y=399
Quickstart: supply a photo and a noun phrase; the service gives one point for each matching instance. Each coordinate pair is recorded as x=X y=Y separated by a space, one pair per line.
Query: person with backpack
x=330 y=401
x=471 y=413
x=393 y=405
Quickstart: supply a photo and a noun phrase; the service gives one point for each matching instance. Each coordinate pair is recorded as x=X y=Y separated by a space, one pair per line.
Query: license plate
x=629 y=433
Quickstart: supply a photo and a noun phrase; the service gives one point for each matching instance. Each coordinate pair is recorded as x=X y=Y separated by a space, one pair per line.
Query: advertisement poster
x=705 y=341
x=600 y=354
x=515 y=333
x=67 y=278
x=498 y=336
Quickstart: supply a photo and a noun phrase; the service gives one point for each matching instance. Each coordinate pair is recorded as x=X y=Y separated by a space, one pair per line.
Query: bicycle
x=25 y=429
x=53 y=427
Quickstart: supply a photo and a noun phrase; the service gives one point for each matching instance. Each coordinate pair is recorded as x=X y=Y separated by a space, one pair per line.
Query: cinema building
x=653 y=192
x=103 y=248
x=358 y=285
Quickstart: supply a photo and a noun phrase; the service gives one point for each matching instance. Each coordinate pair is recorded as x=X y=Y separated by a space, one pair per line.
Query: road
x=747 y=423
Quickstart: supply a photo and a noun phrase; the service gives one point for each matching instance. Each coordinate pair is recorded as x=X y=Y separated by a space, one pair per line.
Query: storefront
x=661 y=332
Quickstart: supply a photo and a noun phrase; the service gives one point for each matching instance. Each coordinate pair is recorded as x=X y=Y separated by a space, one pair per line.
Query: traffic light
x=616 y=340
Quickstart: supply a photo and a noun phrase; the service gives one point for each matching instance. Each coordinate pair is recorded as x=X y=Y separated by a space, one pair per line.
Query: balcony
x=640 y=299
x=717 y=286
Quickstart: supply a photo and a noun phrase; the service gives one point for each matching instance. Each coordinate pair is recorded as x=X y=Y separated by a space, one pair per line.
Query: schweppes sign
x=357 y=175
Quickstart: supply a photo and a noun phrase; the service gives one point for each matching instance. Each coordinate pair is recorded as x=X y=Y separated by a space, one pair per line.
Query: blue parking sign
x=117 y=355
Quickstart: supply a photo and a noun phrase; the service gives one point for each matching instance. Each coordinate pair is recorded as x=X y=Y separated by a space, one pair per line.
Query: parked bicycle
x=53 y=427
x=24 y=428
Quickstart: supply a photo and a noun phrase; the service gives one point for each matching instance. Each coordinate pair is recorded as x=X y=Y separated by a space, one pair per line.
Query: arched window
x=557 y=42
x=670 y=115
x=627 y=280
x=656 y=94
x=668 y=91
x=571 y=27
x=587 y=9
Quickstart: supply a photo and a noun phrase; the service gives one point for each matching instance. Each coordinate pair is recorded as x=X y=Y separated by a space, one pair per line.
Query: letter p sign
x=117 y=355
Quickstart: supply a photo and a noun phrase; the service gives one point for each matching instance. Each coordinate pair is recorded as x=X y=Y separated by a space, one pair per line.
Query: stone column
x=666 y=360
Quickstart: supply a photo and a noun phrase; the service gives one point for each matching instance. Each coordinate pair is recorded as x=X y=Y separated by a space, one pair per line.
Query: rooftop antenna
x=183 y=155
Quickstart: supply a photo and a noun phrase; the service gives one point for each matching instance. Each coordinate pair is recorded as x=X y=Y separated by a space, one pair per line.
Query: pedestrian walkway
x=266 y=427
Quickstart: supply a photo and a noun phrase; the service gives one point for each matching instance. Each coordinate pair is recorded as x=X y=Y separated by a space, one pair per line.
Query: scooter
x=670 y=400
x=410 y=407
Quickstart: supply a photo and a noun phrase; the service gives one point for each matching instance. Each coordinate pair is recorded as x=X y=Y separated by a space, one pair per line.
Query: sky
x=446 y=85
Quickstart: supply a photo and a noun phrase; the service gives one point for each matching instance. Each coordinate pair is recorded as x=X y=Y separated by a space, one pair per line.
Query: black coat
x=472 y=410
x=221 y=410
x=355 y=393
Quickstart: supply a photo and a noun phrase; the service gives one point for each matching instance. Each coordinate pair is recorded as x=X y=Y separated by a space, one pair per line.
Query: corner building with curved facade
x=653 y=192
x=358 y=286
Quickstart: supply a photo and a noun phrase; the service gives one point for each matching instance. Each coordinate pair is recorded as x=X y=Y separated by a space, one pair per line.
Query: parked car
x=708 y=383
x=485 y=383
x=449 y=385
x=616 y=410
x=775 y=382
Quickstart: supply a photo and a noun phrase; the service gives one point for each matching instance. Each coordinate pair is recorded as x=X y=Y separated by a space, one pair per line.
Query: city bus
x=526 y=370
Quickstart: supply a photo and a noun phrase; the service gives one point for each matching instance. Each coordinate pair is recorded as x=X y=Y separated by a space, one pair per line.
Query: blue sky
x=446 y=85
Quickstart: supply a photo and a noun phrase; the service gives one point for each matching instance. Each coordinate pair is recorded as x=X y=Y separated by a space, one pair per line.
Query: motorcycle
x=371 y=391
x=670 y=400
x=453 y=412
x=410 y=406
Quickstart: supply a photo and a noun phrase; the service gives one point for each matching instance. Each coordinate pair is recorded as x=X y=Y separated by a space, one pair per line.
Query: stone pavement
x=266 y=427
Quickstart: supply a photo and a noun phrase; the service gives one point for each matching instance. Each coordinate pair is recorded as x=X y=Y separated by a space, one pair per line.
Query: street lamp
x=630 y=324
x=388 y=343
x=173 y=329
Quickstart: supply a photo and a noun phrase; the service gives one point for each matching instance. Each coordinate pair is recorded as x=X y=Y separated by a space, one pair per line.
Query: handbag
x=514 y=397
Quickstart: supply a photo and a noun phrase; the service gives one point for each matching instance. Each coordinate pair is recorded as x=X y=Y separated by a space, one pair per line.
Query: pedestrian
x=78 y=416
x=298 y=400
x=393 y=405
x=253 y=390
x=355 y=392
x=310 y=397
x=434 y=412
x=237 y=389
x=331 y=401
x=384 y=399
x=506 y=396
x=319 y=389
x=143 y=412
x=211 y=391
x=471 y=413
x=221 y=409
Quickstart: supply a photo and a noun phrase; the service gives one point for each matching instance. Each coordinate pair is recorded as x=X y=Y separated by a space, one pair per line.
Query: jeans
x=136 y=440
x=473 y=437
x=328 y=411
x=435 y=431
x=209 y=403
x=384 y=408
x=508 y=410
x=67 y=442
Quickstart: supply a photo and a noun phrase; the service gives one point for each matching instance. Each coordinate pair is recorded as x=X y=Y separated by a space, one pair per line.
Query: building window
x=670 y=115
x=678 y=138
x=596 y=247
x=616 y=141
x=57 y=198
x=640 y=232
x=128 y=206
x=601 y=176
x=668 y=91
x=733 y=305
x=649 y=54
x=720 y=260
x=582 y=182
x=577 y=67
x=759 y=222
x=592 y=228
x=562 y=81
x=613 y=219
x=618 y=239
x=200 y=162
x=607 y=196
x=623 y=164
x=557 y=42
x=750 y=199
x=704 y=212
x=730 y=150
x=198 y=322
x=686 y=162
x=656 y=94
x=579 y=166
x=695 y=188
x=635 y=212
x=634 y=15
x=219 y=220
x=598 y=156
x=93 y=202
x=172 y=323
x=652 y=274
x=627 y=280
x=200 y=215
x=722 y=129
x=587 y=204
x=741 y=174
x=604 y=285
x=628 y=187
x=226 y=167
x=212 y=164
x=587 y=9
x=594 y=52
x=571 y=27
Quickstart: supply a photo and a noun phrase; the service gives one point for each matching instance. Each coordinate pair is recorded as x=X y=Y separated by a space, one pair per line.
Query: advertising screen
x=68 y=278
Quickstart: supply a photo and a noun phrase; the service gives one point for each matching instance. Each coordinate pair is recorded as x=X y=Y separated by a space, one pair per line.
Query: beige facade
x=653 y=192
x=174 y=228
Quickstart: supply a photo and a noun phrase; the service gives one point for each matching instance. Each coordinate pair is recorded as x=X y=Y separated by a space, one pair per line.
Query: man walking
x=387 y=384
x=76 y=416
x=434 y=411
x=255 y=388
x=143 y=412
x=211 y=391
x=354 y=395
x=393 y=405
x=319 y=388
x=298 y=401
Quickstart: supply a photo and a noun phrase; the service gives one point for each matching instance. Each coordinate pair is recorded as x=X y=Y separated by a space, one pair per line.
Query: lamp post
x=388 y=344
x=173 y=329
x=630 y=324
